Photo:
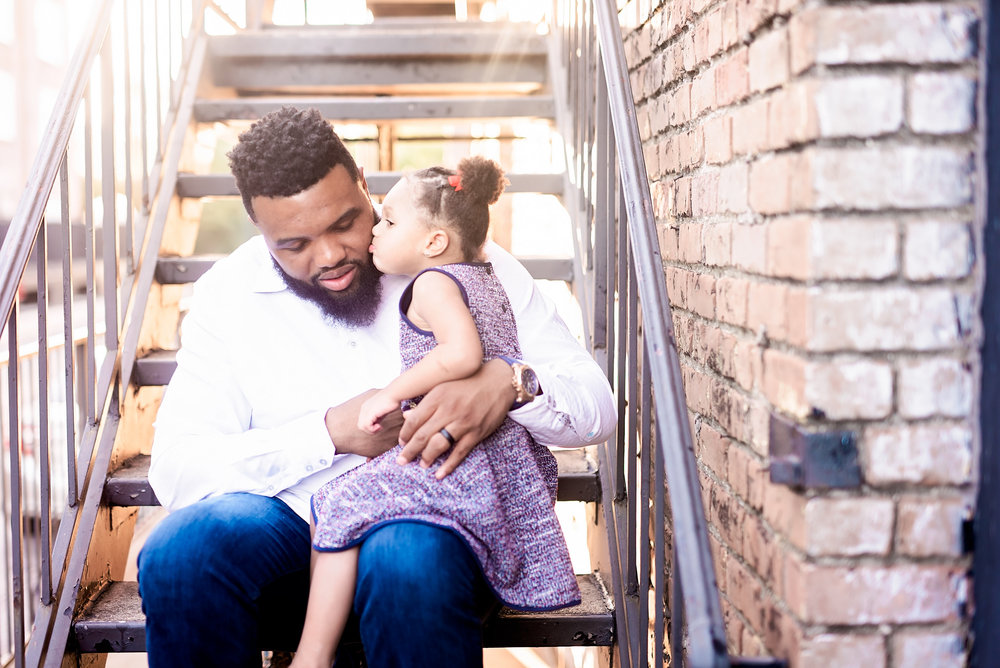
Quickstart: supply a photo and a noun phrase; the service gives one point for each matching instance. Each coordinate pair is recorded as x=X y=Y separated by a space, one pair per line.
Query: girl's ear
x=437 y=243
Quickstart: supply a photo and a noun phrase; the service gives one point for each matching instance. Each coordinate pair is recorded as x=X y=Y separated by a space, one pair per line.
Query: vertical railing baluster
x=143 y=116
x=110 y=223
x=68 y=294
x=622 y=362
x=89 y=252
x=631 y=454
x=159 y=80
x=602 y=288
x=659 y=554
x=131 y=247
x=677 y=610
x=16 y=515
x=645 y=466
x=45 y=474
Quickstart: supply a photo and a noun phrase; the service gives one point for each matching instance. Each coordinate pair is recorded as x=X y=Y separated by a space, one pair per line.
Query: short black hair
x=286 y=152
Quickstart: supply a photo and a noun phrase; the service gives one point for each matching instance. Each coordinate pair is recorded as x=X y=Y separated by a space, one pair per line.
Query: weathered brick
x=732 y=83
x=733 y=188
x=848 y=527
x=751 y=14
x=718 y=139
x=935 y=250
x=901 y=33
x=789 y=247
x=749 y=131
x=770 y=183
x=785 y=382
x=701 y=296
x=828 y=649
x=703 y=93
x=941 y=103
x=712 y=449
x=935 y=387
x=731 y=300
x=708 y=36
x=920 y=649
x=766 y=308
x=704 y=193
x=784 y=510
x=858 y=106
x=763 y=553
x=904 y=177
x=791 y=116
x=917 y=454
x=717 y=239
x=768 y=60
x=872 y=594
x=689 y=243
x=750 y=247
x=748 y=365
x=930 y=527
x=887 y=319
x=680 y=105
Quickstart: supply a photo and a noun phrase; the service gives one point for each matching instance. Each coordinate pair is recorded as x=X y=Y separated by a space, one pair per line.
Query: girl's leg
x=331 y=594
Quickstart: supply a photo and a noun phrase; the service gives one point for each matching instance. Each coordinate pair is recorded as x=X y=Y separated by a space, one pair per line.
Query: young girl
x=454 y=316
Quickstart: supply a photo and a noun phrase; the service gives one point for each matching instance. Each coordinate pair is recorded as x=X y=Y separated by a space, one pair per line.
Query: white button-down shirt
x=258 y=368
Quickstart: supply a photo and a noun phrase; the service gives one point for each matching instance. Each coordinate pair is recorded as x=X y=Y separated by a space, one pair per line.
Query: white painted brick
x=908 y=177
x=852 y=249
x=848 y=527
x=889 y=319
x=935 y=250
x=922 y=454
x=859 y=106
x=849 y=390
x=899 y=33
x=935 y=387
x=925 y=649
x=941 y=103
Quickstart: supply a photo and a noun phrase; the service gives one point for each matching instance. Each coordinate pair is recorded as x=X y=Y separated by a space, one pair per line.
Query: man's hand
x=469 y=409
x=342 y=423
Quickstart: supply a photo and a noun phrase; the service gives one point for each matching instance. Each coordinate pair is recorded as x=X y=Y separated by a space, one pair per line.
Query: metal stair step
x=129 y=485
x=180 y=270
x=381 y=57
x=379 y=183
x=114 y=622
x=361 y=108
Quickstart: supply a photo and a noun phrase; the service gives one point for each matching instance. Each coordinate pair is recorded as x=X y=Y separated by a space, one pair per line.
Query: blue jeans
x=229 y=575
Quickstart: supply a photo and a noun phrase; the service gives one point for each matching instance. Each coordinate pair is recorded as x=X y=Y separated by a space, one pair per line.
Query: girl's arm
x=438 y=306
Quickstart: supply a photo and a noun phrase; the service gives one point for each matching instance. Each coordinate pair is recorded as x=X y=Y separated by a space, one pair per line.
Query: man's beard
x=355 y=307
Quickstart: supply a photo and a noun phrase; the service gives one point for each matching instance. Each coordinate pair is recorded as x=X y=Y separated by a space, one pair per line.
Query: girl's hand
x=374 y=409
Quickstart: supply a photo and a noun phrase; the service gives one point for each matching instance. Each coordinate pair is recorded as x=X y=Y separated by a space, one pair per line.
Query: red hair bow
x=455 y=181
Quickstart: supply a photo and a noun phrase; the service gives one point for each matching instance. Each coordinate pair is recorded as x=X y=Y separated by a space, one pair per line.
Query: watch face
x=529 y=381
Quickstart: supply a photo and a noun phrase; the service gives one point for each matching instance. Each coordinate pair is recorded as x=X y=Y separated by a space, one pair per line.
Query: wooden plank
x=358 y=108
x=379 y=183
x=114 y=622
x=129 y=485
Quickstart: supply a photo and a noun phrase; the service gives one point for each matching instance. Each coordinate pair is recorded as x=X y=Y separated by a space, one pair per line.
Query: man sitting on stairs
x=284 y=340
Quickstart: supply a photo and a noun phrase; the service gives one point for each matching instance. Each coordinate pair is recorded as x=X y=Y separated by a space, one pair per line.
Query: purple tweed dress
x=500 y=500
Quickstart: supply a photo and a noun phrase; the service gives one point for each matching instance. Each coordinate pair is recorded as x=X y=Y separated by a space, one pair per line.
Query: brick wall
x=814 y=169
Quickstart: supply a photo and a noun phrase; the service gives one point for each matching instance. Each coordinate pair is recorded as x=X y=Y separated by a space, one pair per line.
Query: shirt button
x=309 y=467
x=322 y=462
x=354 y=344
x=270 y=488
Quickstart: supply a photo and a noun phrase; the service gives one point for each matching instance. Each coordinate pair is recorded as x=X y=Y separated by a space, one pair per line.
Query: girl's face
x=401 y=237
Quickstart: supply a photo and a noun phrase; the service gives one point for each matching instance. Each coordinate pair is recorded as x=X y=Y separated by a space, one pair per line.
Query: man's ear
x=437 y=243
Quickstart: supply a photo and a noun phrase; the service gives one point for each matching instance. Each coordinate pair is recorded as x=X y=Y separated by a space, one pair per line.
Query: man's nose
x=331 y=253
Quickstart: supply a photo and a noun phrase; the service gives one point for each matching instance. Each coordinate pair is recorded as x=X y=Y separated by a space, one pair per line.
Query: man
x=283 y=341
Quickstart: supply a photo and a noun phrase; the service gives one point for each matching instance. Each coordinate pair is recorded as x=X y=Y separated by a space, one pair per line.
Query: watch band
x=512 y=361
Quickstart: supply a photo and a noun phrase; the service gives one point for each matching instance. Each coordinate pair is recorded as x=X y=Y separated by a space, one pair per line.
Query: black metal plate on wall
x=801 y=458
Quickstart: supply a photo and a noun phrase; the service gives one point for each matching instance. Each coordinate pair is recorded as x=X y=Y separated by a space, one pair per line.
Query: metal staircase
x=651 y=595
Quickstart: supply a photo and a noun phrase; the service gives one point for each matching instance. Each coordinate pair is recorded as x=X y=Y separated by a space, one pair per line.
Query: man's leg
x=421 y=597
x=222 y=576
